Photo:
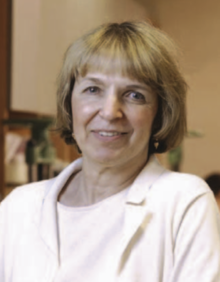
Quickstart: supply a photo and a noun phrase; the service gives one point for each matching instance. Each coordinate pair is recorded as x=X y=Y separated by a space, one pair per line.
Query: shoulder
x=175 y=197
x=174 y=188
x=26 y=197
x=168 y=183
x=30 y=197
x=182 y=183
x=178 y=192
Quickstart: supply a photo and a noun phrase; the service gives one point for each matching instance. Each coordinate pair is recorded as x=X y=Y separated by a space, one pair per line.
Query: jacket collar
x=135 y=209
x=144 y=181
x=138 y=210
x=48 y=221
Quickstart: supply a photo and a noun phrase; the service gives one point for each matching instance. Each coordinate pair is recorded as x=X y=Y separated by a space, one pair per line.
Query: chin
x=106 y=159
x=106 y=156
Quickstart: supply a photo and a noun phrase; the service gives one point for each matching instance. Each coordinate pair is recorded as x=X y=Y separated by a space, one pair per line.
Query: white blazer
x=171 y=231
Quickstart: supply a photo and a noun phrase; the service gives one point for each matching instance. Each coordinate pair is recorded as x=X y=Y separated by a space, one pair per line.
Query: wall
x=195 y=26
x=42 y=31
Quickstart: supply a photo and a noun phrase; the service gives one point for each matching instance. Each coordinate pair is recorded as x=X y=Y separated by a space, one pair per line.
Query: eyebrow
x=99 y=81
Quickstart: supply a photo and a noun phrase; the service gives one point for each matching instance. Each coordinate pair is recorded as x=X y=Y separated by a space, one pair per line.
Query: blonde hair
x=137 y=50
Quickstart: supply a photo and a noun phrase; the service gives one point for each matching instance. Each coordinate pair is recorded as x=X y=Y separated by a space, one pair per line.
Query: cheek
x=82 y=113
x=76 y=109
x=144 y=117
x=143 y=120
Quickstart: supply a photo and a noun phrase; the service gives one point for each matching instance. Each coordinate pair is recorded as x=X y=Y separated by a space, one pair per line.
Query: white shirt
x=86 y=234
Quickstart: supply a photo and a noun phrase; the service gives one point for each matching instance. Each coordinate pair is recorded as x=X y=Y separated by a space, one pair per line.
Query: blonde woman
x=115 y=214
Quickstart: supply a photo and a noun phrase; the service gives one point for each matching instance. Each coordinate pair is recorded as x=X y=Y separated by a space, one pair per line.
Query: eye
x=136 y=96
x=92 y=89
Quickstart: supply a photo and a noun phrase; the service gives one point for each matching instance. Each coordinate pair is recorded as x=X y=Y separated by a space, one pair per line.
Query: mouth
x=109 y=134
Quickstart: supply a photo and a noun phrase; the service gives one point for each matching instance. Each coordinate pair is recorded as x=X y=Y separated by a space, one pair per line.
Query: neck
x=101 y=181
x=97 y=181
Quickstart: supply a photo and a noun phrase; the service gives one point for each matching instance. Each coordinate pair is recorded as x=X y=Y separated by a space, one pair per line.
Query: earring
x=73 y=135
x=156 y=144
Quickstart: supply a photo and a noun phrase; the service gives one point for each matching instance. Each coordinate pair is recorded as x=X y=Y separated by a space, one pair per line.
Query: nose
x=111 y=107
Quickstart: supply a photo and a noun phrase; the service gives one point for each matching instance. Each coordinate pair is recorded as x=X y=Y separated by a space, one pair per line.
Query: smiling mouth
x=110 y=133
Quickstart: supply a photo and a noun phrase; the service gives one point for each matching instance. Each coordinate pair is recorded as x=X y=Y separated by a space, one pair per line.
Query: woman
x=115 y=214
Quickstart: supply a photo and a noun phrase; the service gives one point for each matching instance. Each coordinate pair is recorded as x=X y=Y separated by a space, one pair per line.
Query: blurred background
x=33 y=38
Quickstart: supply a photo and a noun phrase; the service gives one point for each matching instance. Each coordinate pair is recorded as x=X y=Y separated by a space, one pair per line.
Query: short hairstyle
x=213 y=180
x=137 y=50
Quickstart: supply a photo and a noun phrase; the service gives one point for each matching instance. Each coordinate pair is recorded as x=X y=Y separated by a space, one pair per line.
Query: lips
x=109 y=134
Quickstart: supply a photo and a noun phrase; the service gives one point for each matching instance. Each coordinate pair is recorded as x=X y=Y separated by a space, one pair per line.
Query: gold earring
x=156 y=144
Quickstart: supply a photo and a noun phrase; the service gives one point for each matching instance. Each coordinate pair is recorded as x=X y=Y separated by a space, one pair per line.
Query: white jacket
x=171 y=230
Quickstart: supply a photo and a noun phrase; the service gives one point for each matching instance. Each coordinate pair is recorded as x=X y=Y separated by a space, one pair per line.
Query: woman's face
x=112 y=117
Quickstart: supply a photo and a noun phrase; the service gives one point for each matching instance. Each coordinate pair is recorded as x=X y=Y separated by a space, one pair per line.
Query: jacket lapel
x=48 y=222
x=134 y=216
x=138 y=209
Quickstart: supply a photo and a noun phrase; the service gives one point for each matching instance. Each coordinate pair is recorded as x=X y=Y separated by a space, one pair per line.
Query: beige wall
x=25 y=41
x=195 y=26
x=42 y=30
